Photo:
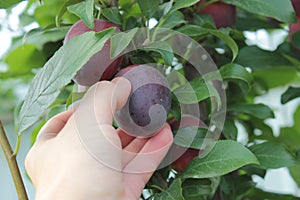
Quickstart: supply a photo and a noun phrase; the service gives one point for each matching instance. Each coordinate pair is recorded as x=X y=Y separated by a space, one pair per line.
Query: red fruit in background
x=186 y=120
x=224 y=15
x=296 y=5
x=182 y=162
x=100 y=66
x=294 y=28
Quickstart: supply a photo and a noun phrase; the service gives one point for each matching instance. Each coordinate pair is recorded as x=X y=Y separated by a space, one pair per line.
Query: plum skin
x=182 y=162
x=143 y=98
x=100 y=66
x=148 y=103
x=224 y=15
x=296 y=6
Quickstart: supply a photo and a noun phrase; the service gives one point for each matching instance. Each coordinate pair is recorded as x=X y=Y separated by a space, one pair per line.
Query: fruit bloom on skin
x=100 y=66
x=224 y=15
x=148 y=104
x=181 y=163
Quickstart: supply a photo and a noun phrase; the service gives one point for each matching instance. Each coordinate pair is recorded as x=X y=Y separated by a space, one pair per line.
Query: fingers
x=103 y=99
x=131 y=150
x=124 y=137
x=91 y=123
x=141 y=168
x=54 y=125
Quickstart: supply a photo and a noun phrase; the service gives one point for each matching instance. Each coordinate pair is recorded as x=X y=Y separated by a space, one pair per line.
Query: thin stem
x=17 y=145
x=13 y=165
x=157 y=187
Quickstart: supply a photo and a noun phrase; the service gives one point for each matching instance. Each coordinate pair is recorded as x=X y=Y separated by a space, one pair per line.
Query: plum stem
x=13 y=165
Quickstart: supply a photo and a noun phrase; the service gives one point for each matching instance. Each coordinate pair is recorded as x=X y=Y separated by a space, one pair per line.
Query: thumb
x=92 y=121
x=103 y=99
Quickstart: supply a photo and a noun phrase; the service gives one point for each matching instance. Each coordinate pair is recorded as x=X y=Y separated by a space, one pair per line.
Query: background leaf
x=56 y=73
x=113 y=15
x=190 y=137
x=148 y=8
x=278 y=9
x=23 y=59
x=272 y=155
x=164 y=49
x=193 y=30
x=85 y=11
x=225 y=157
x=295 y=173
x=173 y=192
x=120 y=41
x=263 y=59
x=236 y=72
x=182 y=4
x=173 y=20
x=260 y=111
x=8 y=3
x=290 y=94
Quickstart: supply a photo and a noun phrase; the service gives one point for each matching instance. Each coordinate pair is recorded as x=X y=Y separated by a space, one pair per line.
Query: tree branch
x=13 y=165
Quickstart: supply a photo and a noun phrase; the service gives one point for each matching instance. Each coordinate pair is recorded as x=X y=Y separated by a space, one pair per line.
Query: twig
x=13 y=165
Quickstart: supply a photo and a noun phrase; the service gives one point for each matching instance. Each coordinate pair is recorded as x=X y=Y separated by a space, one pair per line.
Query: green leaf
x=230 y=130
x=62 y=10
x=234 y=187
x=297 y=119
x=164 y=49
x=133 y=11
x=85 y=11
x=193 y=31
x=190 y=137
x=295 y=173
x=8 y=3
x=200 y=189
x=290 y=137
x=272 y=155
x=173 y=20
x=290 y=94
x=278 y=9
x=259 y=111
x=112 y=14
x=148 y=8
x=258 y=59
x=269 y=77
x=23 y=59
x=56 y=73
x=120 y=41
x=296 y=39
x=182 y=4
x=55 y=110
x=195 y=91
x=249 y=21
x=75 y=96
x=39 y=37
x=236 y=72
x=173 y=192
x=225 y=157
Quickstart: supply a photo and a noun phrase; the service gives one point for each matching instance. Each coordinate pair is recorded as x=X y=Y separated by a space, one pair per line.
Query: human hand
x=78 y=154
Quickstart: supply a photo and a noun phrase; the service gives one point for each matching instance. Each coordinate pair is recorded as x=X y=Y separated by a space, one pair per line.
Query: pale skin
x=61 y=167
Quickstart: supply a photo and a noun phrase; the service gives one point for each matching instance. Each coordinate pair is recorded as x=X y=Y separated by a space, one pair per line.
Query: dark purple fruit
x=148 y=104
x=100 y=66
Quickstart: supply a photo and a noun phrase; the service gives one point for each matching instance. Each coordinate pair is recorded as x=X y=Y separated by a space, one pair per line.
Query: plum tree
x=100 y=66
x=181 y=163
x=223 y=14
x=148 y=104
